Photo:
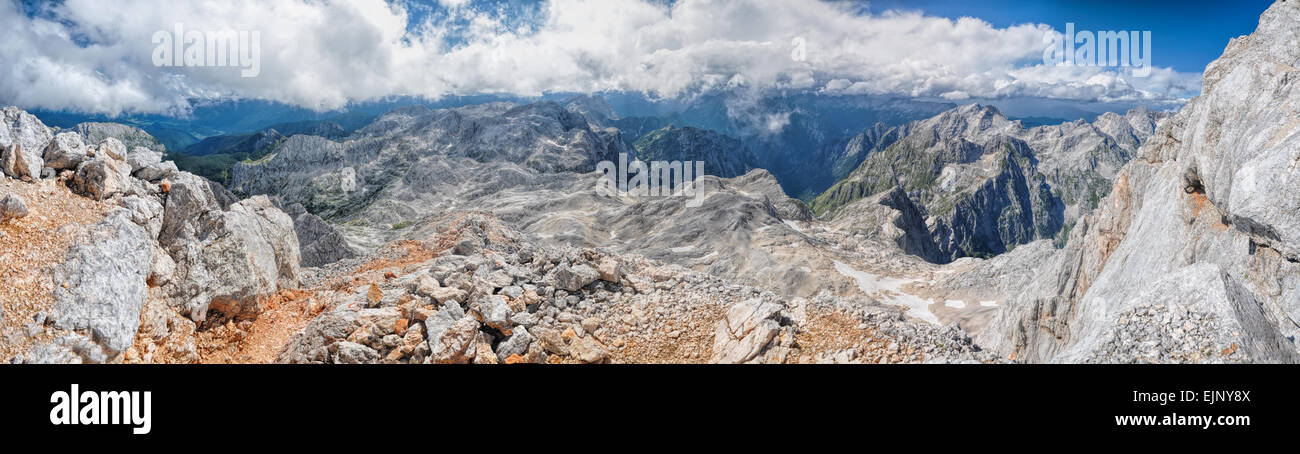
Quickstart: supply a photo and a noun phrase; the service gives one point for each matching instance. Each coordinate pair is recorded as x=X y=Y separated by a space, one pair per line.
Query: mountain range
x=824 y=229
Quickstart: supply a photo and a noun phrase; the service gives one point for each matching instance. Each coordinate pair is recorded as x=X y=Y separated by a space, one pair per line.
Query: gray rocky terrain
x=177 y=269
x=479 y=234
x=1192 y=255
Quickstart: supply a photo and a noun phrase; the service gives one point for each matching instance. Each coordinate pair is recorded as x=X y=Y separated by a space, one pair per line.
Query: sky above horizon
x=100 y=57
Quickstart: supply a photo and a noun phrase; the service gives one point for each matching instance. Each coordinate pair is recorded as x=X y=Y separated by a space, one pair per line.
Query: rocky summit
x=484 y=232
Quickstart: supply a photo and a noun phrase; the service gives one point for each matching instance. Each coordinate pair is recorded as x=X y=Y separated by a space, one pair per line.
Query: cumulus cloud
x=95 y=56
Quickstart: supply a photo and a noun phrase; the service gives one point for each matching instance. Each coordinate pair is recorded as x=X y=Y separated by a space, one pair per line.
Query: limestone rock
x=319 y=242
x=141 y=157
x=12 y=207
x=23 y=139
x=455 y=344
x=65 y=151
x=100 y=287
x=588 y=350
x=157 y=171
x=1206 y=214
x=225 y=260
x=104 y=176
x=746 y=331
x=573 y=278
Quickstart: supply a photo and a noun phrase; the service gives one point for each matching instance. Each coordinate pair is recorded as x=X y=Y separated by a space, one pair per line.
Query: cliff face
x=983 y=183
x=1195 y=253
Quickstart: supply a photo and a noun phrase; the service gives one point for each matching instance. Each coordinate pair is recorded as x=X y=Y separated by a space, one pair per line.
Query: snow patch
x=890 y=290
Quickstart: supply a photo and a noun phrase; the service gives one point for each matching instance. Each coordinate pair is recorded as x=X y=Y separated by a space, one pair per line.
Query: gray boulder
x=354 y=353
x=573 y=278
x=100 y=287
x=12 y=207
x=106 y=175
x=65 y=151
x=225 y=260
x=157 y=171
x=22 y=140
x=453 y=344
x=517 y=344
x=141 y=157
x=747 y=331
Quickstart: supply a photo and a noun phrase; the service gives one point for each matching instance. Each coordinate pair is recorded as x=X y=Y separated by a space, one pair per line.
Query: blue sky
x=1186 y=35
x=97 y=57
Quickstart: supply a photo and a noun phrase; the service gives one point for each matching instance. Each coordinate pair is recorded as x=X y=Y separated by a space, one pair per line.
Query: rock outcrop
x=226 y=259
x=199 y=246
x=12 y=207
x=753 y=331
x=319 y=243
x=100 y=288
x=1192 y=255
x=105 y=174
x=22 y=142
x=65 y=151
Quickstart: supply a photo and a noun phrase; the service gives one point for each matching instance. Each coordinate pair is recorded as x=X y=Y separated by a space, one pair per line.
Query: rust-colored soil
x=31 y=246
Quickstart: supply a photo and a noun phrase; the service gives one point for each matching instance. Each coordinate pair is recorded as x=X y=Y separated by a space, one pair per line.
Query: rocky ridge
x=163 y=242
x=978 y=184
x=1191 y=256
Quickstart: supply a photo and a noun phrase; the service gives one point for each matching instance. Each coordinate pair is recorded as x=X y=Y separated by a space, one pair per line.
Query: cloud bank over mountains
x=94 y=56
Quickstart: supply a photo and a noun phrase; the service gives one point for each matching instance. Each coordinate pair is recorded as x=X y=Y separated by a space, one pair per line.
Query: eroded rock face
x=747 y=333
x=12 y=207
x=224 y=259
x=101 y=287
x=22 y=141
x=1203 y=221
x=984 y=183
x=319 y=242
x=141 y=157
x=106 y=174
x=65 y=151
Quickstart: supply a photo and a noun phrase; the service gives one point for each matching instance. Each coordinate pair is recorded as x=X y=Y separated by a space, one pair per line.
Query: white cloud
x=324 y=54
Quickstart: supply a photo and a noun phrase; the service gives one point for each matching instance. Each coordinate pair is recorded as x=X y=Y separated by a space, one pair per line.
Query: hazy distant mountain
x=722 y=156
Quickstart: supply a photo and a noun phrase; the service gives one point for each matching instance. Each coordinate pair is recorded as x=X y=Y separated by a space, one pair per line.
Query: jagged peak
x=968 y=121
